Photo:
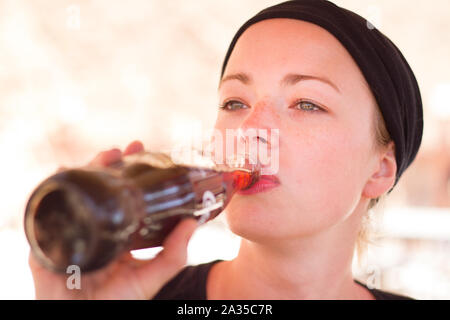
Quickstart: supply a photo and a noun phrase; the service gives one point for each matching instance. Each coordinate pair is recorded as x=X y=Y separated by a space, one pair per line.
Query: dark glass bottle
x=88 y=216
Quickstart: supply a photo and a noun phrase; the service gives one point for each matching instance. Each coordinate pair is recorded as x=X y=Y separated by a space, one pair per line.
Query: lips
x=265 y=183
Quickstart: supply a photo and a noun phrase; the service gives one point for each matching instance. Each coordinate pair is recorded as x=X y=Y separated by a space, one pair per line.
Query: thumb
x=158 y=271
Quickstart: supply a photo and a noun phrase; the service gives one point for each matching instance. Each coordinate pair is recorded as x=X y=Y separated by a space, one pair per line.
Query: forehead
x=279 y=46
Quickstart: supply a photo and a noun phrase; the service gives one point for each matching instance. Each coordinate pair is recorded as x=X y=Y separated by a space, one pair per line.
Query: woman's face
x=326 y=127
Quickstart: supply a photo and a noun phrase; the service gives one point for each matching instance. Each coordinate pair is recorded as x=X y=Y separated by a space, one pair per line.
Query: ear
x=383 y=178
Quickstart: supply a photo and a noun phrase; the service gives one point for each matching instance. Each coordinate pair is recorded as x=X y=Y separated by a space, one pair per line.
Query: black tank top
x=190 y=284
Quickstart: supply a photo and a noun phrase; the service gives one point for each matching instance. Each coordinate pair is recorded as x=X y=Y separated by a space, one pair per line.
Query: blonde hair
x=367 y=232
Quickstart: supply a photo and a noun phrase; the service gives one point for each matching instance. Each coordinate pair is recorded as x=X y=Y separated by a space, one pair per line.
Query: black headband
x=385 y=69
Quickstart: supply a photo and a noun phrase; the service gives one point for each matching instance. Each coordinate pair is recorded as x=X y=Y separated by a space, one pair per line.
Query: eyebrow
x=289 y=80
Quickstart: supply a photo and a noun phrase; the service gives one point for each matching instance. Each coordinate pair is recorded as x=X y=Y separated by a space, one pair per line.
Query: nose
x=258 y=134
x=262 y=119
x=263 y=114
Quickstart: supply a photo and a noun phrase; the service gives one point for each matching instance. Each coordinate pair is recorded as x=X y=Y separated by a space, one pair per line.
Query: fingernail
x=134 y=147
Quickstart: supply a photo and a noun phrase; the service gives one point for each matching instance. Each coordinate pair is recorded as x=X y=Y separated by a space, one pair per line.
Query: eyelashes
x=307 y=106
x=232 y=105
x=301 y=105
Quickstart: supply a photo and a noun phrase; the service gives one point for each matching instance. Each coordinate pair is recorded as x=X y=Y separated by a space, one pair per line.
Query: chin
x=255 y=222
x=247 y=222
x=261 y=226
x=251 y=233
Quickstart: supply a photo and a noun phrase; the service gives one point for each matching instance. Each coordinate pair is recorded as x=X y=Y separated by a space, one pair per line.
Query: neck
x=317 y=266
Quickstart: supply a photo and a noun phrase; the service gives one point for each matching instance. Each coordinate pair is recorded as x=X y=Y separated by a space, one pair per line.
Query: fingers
x=107 y=158
x=47 y=285
x=175 y=245
x=32 y=263
x=169 y=261
x=134 y=147
x=37 y=269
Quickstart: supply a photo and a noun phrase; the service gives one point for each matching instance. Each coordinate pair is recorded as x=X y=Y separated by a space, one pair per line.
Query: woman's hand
x=126 y=277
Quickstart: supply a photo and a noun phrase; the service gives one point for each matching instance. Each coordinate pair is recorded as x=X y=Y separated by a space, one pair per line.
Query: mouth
x=264 y=183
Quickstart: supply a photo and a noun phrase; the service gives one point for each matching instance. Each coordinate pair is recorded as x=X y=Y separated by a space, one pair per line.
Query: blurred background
x=79 y=77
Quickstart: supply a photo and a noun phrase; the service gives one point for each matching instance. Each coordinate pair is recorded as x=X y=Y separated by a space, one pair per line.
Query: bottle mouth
x=245 y=173
x=57 y=228
x=245 y=177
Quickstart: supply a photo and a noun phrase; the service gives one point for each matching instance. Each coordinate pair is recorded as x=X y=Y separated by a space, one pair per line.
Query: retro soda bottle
x=88 y=216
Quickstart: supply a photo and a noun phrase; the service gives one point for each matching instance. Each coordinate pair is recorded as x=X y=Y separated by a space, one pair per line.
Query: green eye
x=233 y=105
x=307 y=106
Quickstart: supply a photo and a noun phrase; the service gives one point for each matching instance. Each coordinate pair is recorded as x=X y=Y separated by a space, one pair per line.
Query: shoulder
x=188 y=284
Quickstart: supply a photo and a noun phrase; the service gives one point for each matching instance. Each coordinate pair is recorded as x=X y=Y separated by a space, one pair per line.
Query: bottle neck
x=214 y=189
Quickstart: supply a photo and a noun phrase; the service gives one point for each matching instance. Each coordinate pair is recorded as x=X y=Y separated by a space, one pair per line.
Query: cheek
x=321 y=169
x=318 y=189
x=324 y=170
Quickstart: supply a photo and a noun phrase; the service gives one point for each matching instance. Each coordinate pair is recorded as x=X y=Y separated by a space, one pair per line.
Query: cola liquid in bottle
x=89 y=216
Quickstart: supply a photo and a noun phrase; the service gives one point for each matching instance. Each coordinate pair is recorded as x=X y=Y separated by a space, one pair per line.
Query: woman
x=349 y=114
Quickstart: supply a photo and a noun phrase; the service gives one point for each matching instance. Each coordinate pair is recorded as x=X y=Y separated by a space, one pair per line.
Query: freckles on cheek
x=341 y=158
x=321 y=156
